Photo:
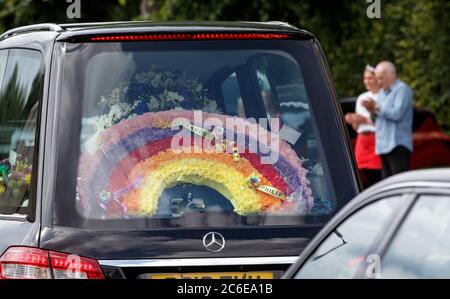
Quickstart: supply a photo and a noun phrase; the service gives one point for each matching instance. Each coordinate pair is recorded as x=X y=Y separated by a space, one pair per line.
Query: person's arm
x=402 y=102
x=372 y=107
x=361 y=113
x=362 y=120
x=355 y=120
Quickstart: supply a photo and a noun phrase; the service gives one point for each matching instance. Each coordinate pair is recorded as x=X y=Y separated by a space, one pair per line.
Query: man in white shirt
x=394 y=118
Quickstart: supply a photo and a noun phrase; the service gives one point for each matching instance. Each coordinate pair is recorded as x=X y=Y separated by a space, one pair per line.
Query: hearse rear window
x=195 y=136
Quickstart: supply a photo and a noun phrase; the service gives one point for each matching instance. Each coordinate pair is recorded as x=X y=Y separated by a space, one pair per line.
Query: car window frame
x=220 y=77
x=346 y=213
x=320 y=89
x=381 y=243
x=2 y=75
x=252 y=65
x=30 y=215
x=416 y=194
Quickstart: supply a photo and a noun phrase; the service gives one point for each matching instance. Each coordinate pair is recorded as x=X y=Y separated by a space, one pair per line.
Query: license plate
x=213 y=275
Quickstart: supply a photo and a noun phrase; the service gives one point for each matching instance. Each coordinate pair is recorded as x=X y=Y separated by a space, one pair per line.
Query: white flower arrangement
x=155 y=90
x=116 y=113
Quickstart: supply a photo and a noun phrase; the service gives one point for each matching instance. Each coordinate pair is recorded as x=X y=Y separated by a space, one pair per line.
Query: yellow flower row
x=217 y=171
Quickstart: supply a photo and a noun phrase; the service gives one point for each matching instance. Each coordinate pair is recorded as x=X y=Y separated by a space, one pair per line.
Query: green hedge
x=412 y=33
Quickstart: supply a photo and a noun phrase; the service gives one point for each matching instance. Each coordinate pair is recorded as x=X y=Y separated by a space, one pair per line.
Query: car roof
x=70 y=30
x=217 y=25
x=425 y=178
x=440 y=175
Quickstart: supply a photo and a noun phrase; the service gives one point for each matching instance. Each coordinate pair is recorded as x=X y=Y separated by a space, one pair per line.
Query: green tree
x=15 y=13
x=412 y=33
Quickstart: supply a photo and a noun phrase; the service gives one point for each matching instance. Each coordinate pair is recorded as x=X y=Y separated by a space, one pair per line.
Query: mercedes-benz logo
x=214 y=241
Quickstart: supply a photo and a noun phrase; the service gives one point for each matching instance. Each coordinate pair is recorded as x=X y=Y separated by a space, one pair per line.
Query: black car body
x=395 y=229
x=55 y=213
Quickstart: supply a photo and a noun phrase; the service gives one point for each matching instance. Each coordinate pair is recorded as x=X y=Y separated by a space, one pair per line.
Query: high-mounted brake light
x=35 y=263
x=188 y=36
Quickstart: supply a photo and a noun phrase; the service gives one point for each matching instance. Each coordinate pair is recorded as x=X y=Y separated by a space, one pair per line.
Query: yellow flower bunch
x=28 y=179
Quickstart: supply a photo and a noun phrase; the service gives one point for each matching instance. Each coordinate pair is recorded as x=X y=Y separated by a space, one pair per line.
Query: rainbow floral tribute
x=131 y=163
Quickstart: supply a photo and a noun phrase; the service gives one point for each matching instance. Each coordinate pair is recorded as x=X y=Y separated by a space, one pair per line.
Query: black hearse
x=166 y=150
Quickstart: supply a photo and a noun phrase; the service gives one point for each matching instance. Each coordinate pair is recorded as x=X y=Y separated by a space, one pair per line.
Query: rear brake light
x=25 y=263
x=189 y=36
x=73 y=266
x=34 y=263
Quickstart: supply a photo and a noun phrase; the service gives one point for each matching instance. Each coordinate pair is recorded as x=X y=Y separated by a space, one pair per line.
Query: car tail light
x=35 y=263
x=73 y=266
x=25 y=263
x=188 y=36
